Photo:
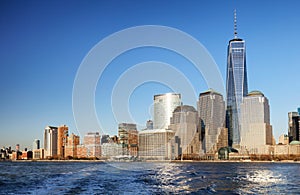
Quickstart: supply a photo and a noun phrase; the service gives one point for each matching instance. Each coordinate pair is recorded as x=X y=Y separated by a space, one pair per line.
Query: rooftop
x=185 y=108
x=255 y=93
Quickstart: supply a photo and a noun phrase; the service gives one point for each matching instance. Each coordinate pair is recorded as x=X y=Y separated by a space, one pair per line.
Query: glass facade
x=236 y=87
x=164 y=105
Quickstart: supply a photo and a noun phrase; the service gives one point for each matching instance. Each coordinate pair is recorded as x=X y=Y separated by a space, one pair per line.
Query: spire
x=235 y=25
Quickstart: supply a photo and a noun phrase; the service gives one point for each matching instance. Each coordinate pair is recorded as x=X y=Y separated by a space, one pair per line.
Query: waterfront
x=148 y=178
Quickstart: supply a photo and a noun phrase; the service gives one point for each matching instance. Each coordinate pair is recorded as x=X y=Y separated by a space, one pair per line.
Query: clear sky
x=43 y=43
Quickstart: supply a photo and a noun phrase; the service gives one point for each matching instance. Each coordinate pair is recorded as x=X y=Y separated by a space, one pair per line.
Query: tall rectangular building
x=50 y=141
x=164 y=105
x=294 y=126
x=71 y=147
x=36 y=144
x=62 y=134
x=185 y=124
x=92 y=142
x=256 y=130
x=211 y=109
x=236 y=85
x=128 y=136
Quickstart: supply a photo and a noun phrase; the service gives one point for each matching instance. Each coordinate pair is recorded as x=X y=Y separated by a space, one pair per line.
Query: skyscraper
x=36 y=144
x=185 y=124
x=294 y=126
x=256 y=131
x=211 y=109
x=236 y=85
x=62 y=134
x=164 y=105
x=50 y=141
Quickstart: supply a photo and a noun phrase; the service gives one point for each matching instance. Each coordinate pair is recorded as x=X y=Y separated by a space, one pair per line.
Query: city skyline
x=44 y=45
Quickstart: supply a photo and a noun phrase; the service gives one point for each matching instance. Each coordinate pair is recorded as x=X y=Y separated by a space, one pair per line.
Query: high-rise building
x=72 y=143
x=299 y=111
x=128 y=136
x=294 y=126
x=211 y=109
x=256 y=131
x=50 y=141
x=62 y=134
x=17 y=147
x=185 y=124
x=149 y=124
x=36 y=144
x=236 y=85
x=92 y=142
x=164 y=105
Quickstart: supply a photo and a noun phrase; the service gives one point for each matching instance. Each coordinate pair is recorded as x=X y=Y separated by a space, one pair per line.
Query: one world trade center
x=236 y=85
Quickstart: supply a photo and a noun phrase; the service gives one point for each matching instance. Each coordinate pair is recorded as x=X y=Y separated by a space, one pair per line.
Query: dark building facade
x=294 y=126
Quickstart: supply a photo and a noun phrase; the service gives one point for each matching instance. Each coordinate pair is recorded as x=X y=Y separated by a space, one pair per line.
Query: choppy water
x=148 y=178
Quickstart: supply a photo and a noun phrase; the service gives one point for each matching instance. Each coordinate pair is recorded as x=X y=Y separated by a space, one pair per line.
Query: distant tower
x=149 y=124
x=164 y=105
x=256 y=131
x=211 y=109
x=236 y=85
x=36 y=144
x=50 y=141
x=17 y=147
x=294 y=126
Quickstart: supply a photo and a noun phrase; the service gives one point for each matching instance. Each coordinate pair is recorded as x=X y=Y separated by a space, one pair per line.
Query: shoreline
x=153 y=161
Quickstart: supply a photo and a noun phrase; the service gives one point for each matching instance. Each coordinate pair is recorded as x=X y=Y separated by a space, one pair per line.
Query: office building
x=185 y=124
x=38 y=153
x=256 y=131
x=156 y=144
x=236 y=85
x=36 y=144
x=62 y=134
x=92 y=142
x=50 y=141
x=164 y=105
x=149 y=124
x=283 y=139
x=128 y=136
x=211 y=109
x=71 y=147
x=111 y=149
x=294 y=126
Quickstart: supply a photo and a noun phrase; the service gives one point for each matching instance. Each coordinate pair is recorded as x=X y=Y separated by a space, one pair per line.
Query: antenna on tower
x=235 y=25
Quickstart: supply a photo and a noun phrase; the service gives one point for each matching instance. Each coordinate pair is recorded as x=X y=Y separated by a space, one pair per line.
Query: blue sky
x=43 y=43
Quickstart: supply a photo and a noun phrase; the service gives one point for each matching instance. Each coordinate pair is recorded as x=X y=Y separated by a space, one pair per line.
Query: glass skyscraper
x=236 y=85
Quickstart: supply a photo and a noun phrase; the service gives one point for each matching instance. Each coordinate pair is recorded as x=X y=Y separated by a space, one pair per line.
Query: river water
x=149 y=178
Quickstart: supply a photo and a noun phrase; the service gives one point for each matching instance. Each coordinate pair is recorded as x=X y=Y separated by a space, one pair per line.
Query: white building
x=50 y=141
x=156 y=144
x=164 y=105
x=111 y=149
x=256 y=131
